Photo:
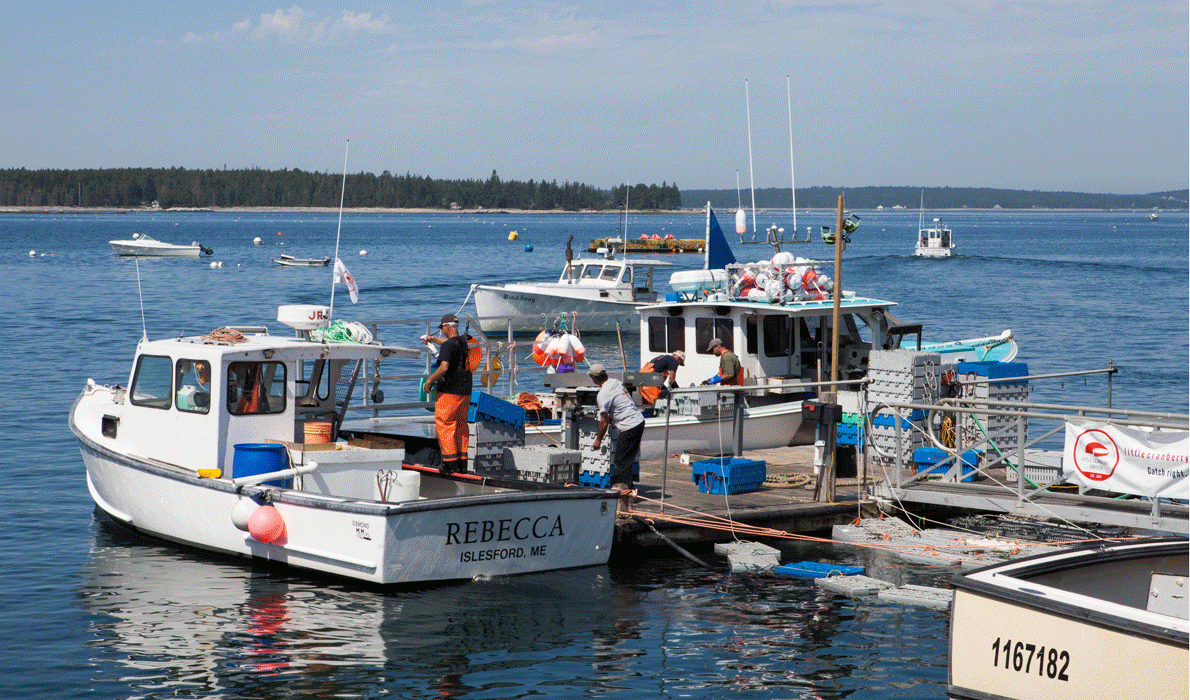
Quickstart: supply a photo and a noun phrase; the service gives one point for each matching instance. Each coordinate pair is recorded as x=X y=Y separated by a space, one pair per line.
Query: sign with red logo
x=1125 y=459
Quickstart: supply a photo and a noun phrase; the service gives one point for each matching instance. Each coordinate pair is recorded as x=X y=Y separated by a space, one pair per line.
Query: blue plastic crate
x=814 y=569
x=485 y=407
x=729 y=475
x=994 y=370
x=885 y=420
x=847 y=434
x=602 y=480
x=929 y=460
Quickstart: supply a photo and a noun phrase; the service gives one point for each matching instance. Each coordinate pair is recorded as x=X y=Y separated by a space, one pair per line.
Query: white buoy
x=741 y=222
x=33 y=253
x=244 y=508
x=363 y=252
x=257 y=241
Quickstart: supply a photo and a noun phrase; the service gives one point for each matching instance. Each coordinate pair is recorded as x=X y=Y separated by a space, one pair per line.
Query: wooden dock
x=785 y=502
x=640 y=245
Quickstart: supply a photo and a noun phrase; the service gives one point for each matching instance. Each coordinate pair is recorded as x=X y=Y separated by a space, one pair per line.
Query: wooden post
x=826 y=479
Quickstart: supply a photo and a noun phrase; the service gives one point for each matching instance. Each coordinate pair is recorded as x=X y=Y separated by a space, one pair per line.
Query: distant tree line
x=935 y=198
x=180 y=187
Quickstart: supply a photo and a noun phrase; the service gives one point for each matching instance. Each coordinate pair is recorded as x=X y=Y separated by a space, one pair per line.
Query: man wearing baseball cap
x=454 y=395
x=616 y=409
x=731 y=372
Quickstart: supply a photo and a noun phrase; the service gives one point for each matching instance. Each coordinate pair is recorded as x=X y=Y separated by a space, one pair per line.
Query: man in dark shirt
x=454 y=395
x=667 y=367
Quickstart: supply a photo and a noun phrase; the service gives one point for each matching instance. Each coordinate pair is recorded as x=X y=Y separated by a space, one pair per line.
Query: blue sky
x=1069 y=95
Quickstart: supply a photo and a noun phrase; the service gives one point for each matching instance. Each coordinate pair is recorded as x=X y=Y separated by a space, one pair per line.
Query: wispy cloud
x=298 y=26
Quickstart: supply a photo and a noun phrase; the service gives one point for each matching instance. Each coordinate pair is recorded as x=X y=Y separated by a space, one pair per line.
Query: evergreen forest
x=183 y=188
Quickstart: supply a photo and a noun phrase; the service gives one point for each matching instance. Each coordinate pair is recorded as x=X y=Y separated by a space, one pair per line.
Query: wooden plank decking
x=784 y=502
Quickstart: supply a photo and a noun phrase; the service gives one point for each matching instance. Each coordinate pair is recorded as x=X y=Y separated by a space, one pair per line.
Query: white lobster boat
x=203 y=448
x=606 y=292
x=1103 y=621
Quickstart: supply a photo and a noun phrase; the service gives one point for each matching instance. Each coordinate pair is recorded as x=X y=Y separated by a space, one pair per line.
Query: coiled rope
x=224 y=334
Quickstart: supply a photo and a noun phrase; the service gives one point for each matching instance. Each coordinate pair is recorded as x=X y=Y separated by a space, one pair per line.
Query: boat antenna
x=921 y=210
x=792 y=179
x=144 y=329
x=739 y=204
x=342 y=196
x=751 y=179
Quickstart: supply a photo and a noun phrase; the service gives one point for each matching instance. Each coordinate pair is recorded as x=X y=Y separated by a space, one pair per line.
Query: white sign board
x=1127 y=460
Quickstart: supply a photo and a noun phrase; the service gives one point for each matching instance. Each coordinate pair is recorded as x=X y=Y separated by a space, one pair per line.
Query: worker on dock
x=731 y=372
x=667 y=367
x=617 y=409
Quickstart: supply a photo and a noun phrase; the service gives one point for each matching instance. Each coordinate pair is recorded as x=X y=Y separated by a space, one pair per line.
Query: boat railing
x=1017 y=470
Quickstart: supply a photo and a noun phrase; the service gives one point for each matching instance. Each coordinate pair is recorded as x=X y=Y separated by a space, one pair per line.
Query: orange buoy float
x=266 y=525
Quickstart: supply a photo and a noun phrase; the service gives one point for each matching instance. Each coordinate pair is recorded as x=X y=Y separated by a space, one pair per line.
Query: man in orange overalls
x=667 y=367
x=454 y=396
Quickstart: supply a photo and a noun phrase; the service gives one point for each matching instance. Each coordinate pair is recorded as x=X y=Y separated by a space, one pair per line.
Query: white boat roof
x=283 y=348
x=623 y=262
x=792 y=307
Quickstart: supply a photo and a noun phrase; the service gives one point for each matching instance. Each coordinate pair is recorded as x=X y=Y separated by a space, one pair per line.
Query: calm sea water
x=90 y=613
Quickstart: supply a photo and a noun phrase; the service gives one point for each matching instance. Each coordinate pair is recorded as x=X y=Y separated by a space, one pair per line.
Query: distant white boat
x=144 y=245
x=1152 y=217
x=934 y=242
x=290 y=261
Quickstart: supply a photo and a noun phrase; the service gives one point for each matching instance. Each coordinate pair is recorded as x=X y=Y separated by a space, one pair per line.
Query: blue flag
x=719 y=254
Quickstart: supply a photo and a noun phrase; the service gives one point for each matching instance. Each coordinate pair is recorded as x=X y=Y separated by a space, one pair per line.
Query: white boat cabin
x=935 y=241
x=773 y=341
x=209 y=395
x=625 y=280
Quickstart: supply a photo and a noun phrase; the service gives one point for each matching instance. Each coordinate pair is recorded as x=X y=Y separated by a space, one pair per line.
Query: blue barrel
x=261 y=458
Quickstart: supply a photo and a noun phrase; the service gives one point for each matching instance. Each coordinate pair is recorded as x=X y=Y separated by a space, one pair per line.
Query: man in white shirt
x=617 y=409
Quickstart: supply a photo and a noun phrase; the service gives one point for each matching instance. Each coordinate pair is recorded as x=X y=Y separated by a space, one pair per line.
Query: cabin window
x=707 y=329
x=152 y=385
x=610 y=273
x=667 y=334
x=255 y=387
x=591 y=272
x=750 y=335
x=193 y=379
x=778 y=336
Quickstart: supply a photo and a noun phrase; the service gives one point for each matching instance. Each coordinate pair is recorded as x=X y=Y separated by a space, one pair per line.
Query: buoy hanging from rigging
x=741 y=222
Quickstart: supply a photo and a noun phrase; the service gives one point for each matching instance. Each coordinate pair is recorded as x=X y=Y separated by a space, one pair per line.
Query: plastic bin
x=728 y=475
x=485 y=407
x=929 y=460
x=251 y=459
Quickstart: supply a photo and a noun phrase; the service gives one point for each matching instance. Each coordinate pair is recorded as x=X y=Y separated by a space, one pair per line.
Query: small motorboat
x=143 y=245
x=1102 y=621
x=290 y=261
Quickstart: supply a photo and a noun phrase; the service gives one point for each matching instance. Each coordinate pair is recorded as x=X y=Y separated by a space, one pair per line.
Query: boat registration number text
x=1031 y=658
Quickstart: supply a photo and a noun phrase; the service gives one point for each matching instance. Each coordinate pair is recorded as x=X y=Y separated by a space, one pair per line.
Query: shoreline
x=494 y=212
